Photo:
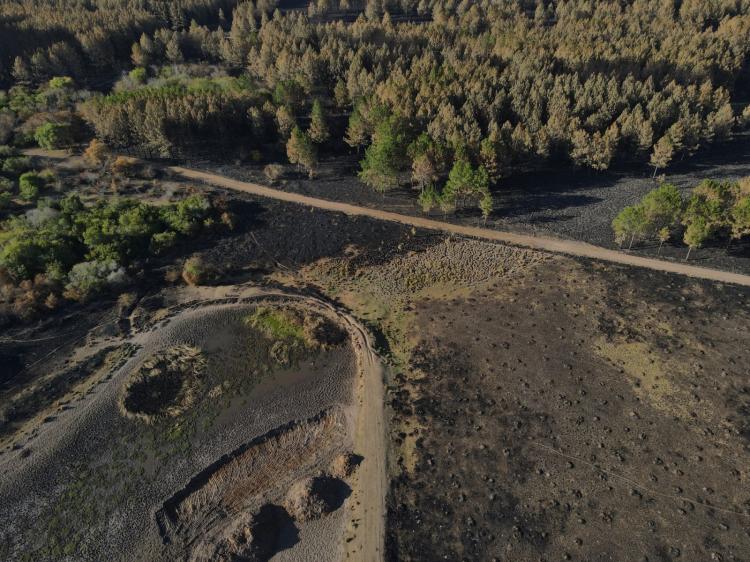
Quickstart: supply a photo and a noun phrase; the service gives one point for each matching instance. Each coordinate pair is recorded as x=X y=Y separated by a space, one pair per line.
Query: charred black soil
x=575 y=412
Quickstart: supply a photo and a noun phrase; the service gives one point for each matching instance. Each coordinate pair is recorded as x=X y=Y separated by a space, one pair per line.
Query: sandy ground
x=34 y=477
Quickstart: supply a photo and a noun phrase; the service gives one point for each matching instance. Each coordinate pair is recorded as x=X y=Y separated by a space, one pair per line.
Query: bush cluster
x=714 y=209
x=77 y=250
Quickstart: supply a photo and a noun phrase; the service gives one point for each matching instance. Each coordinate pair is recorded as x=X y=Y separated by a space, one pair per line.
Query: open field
x=562 y=409
x=538 y=407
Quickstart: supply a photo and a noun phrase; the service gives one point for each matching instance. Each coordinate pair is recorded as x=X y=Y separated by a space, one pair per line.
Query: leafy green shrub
x=6 y=185
x=5 y=199
x=53 y=135
x=60 y=82
x=163 y=241
x=16 y=165
x=196 y=271
x=187 y=215
x=428 y=198
x=7 y=151
x=138 y=75
x=89 y=278
x=29 y=186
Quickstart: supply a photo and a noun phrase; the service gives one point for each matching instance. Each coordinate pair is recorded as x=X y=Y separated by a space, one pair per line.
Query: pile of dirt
x=252 y=537
x=312 y=498
x=252 y=476
x=165 y=385
x=344 y=465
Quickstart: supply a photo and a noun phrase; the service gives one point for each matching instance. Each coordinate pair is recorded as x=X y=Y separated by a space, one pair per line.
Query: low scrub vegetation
x=68 y=249
x=291 y=332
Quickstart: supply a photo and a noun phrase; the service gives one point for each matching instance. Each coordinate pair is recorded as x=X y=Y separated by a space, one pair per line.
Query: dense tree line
x=714 y=209
x=496 y=86
x=162 y=118
x=503 y=85
x=587 y=81
x=81 y=38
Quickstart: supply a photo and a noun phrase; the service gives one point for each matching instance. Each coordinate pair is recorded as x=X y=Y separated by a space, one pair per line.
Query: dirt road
x=569 y=247
x=543 y=243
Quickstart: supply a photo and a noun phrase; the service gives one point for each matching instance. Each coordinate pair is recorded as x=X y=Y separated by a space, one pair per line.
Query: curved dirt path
x=543 y=243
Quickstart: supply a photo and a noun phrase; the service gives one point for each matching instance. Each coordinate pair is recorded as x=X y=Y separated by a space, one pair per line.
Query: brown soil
x=243 y=481
x=314 y=497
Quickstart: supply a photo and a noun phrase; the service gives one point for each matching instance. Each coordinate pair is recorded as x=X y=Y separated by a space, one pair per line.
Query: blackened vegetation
x=266 y=244
x=461 y=466
x=581 y=412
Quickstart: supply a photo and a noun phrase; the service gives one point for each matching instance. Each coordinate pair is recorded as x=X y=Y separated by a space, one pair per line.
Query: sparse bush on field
x=97 y=153
x=53 y=135
x=16 y=165
x=124 y=166
x=30 y=185
x=89 y=278
x=197 y=271
x=6 y=185
x=292 y=331
x=5 y=199
x=273 y=172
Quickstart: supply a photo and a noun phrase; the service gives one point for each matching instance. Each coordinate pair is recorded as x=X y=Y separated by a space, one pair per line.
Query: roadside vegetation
x=57 y=246
x=713 y=210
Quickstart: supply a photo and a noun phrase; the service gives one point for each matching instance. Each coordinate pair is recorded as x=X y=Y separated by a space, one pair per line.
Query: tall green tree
x=662 y=208
x=385 y=157
x=630 y=224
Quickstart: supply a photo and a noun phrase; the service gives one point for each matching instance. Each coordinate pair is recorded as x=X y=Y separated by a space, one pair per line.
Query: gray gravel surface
x=92 y=460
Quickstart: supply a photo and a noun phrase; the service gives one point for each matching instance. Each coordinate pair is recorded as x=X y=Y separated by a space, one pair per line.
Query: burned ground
x=576 y=412
x=565 y=202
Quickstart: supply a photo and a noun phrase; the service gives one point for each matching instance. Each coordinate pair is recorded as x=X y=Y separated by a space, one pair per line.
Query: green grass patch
x=277 y=324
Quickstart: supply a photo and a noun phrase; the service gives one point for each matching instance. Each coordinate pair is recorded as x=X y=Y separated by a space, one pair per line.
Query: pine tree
x=173 y=51
x=301 y=151
x=662 y=154
x=285 y=121
x=341 y=94
x=319 y=132
x=357 y=131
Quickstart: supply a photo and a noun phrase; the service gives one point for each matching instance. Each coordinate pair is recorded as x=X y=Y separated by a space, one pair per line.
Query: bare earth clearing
x=91 y=479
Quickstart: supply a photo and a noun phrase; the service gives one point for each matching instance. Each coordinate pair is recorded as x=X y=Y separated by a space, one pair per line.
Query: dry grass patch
x=292 y=331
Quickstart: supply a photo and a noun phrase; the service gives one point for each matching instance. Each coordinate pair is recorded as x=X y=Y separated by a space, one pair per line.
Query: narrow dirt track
x=543 y=243
x=569 y=247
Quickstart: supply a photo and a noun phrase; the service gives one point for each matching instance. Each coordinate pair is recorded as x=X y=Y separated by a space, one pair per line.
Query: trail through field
x=542 y=243
x=546 y=244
